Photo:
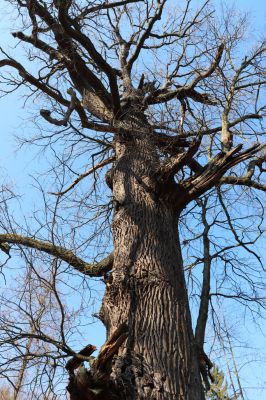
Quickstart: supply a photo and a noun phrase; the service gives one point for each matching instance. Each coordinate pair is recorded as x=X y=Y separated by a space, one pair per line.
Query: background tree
x=163 y=96
x=218 y=390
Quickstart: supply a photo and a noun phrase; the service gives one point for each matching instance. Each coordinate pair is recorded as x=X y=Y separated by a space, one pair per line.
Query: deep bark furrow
x=147 y=290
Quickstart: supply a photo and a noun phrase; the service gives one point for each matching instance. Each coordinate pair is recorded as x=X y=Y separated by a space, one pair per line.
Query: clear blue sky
x=16 y=166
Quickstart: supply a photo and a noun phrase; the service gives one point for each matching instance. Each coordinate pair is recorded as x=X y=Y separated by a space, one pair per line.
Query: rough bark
x=146 y=289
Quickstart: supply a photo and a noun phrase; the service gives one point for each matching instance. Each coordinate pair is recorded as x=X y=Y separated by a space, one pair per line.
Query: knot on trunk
x=95 y=383
x=109 y=176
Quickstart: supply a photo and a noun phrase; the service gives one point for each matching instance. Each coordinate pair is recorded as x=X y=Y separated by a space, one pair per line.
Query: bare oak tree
x=162 y=96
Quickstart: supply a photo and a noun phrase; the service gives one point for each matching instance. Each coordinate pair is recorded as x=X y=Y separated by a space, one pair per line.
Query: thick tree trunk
x=147 y=289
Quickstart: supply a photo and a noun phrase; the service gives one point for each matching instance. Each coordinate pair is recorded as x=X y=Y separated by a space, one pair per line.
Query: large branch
x=174 y=163
x=212 y=173
x=78 y=70
x=246 y=180
x=46 y=114
x=93 y=270
x=76 y=34
x=56 y=95
x=182 y=92
x=43 y=46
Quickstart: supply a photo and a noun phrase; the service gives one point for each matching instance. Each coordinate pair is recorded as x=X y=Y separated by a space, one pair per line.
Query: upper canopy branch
x=145 y=35
x=93 y=270
x=43 y=46
x=243 y=181
x=211 y=69
x=164 y=95
x=181 y=138
x=105 y=6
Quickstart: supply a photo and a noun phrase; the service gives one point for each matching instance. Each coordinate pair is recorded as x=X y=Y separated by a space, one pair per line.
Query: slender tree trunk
x=147 y=288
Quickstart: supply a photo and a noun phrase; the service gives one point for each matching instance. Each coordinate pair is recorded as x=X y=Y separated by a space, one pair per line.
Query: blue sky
x=15 y=167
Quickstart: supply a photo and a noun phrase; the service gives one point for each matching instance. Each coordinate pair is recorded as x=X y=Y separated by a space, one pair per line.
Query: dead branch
x=76 y=361
x=95 y=382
